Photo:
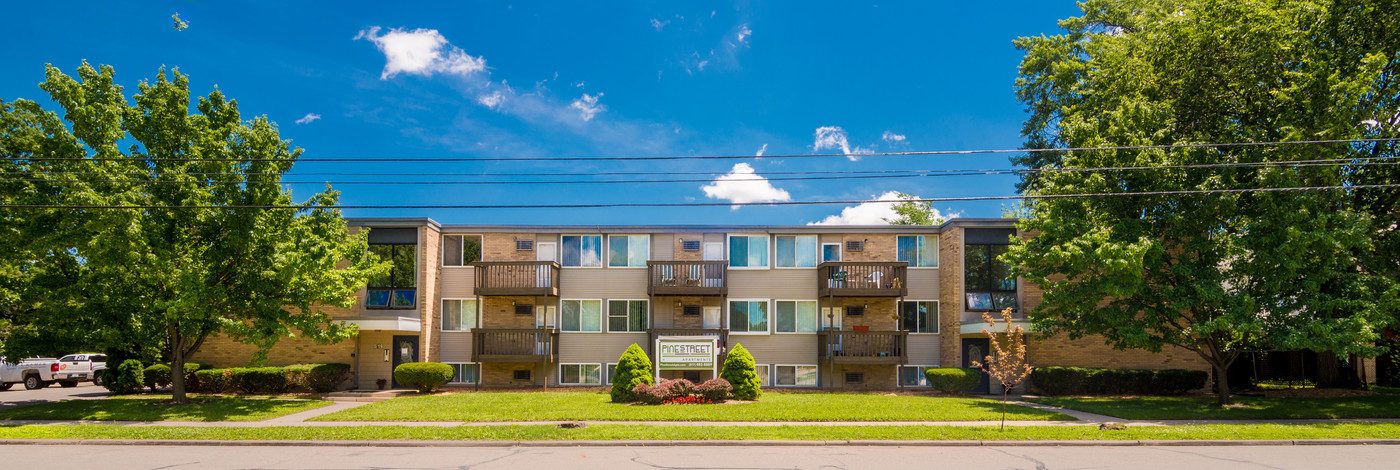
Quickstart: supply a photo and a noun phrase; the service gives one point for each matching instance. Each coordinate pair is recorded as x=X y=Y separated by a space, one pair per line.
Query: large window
x=460 y=250
x=628 y=251
x=581 y=374
x=458 y=314
x=748 y=251
x=582 y=250
x=627 y=315
x=913 y=376
x=988 y=281
x=796 y=316
x=463 y=373
x=762 y=371
x=796 y=251
x=921 y=251
x=581 y=315
x=396 y=288
x=919 y=316
x=796 y=376
x=748 y=316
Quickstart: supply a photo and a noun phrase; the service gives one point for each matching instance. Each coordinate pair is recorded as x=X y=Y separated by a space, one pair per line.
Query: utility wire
x=729 y=157
x=713 y=204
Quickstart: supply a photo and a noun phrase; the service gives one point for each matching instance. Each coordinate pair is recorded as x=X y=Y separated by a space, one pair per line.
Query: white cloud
x=891 y=137
x=743 y=34
x=420 y=52
x=588 y=106
x=762 y=149
x=658 y=24
x=308 y=118
x=742 y=185
x=834 y=138
x=872 y=213
x=493 y=100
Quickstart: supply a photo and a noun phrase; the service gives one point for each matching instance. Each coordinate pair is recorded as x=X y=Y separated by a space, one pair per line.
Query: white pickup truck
x=34 y=373
x=75 y=368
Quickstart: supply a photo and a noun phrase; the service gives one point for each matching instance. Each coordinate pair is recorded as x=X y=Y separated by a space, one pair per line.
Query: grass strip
x=597 y=406
x=201 y=408
x=701 y=433
x=1373 y=406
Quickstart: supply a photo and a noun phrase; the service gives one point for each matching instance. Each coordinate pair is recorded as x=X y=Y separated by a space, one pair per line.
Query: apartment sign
x=685 y=353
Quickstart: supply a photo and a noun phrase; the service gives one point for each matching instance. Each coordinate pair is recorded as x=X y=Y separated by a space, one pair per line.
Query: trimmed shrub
x=260 y=380
x=651 y=394
x=129 y=378
x=424 y=376
x=191 y=382
x=1119 y=381
x=739 y=372
x=1055 y=380
x=953 y=380
x=1083 y=381
x=319 y=378
x=214 y=380
x=633 y=369
x=1179 y=381
x=156 y=376
x=682 y=391
x=714 y=390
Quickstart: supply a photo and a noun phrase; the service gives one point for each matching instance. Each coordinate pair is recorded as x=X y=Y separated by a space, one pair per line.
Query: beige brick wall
x=499 y=312
x=1091 y=351
x=429 y=289
x=950 y=299
x=879 y=312
x=681 y=255
x=878 y=247
x=501 y=247
x=502 y=374
x=220 y=351
x=877 y=377
x=666 y=308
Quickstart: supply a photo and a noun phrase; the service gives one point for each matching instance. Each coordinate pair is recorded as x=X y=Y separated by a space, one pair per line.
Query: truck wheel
x=68 y=383
x=97 y=378
x=6 y=386
x=32 y=382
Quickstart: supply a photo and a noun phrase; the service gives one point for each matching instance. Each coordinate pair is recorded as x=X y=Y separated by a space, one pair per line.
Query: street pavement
x=700 y=457
x=18 y=396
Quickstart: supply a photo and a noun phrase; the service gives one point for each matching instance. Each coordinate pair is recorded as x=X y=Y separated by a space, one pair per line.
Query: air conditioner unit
x=524 y=245
x=855 y=245
x=691 y=310
x=690 y=245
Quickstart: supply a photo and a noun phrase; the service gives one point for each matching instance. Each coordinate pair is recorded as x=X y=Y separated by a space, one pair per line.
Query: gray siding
x=455 y=346
x=923 y=349
x=597 y=348
x=609 y=283
x=663 y=247
x=788 y=284
x=779 y=349
x=923 y=284
x=458 y=282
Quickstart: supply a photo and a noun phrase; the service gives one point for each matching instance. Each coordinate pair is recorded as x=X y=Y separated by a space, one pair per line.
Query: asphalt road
x=688 y=457
x=17 y=395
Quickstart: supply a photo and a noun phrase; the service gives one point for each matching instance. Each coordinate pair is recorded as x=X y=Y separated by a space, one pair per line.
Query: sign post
x=686 y=353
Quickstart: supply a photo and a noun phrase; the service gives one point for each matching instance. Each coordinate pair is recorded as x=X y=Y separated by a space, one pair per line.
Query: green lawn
x=149 y=409
x=642 y=432
x=1374 y=406
x=595 y=406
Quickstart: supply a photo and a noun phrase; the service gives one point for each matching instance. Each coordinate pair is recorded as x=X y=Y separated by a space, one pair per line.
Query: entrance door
x=405 y=350
x=711 y=317
x=544 y=252
x=976 y=350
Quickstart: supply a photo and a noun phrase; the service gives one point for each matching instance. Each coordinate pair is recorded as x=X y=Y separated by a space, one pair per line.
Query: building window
x=580 y=374
x=458 y=314
x=628 y=251
x=796 y=251
x=748 y=316
x=520 y=374
x=581 y=315
x=831 y=252
x=627 y=315
x=913 y=376
x=396 y=288
x=748 y=251
x=988 y=281
x=796 y=376
x=582 y=250
x=921 y=251
x=919 y=316
x=762 y=371
x=796 y=316
x=460 y=250
x=463 y=373
x=610 y=373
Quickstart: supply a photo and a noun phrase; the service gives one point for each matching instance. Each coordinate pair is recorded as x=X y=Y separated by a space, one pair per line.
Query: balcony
x=722 y=333
x=515 y=345
x=698 y=278
x=862 y=347
x=527 y=278
x=862 y=279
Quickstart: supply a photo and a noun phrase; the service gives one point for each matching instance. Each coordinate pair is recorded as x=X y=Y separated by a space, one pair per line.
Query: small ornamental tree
x=1007 y=363
x=739 y=371
x=633 y=369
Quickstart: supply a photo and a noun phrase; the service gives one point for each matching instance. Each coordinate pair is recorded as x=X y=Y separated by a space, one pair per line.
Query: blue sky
x=513 y=79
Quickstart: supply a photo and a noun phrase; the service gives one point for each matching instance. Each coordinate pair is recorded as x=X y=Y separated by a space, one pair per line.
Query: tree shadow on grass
x=143 y=409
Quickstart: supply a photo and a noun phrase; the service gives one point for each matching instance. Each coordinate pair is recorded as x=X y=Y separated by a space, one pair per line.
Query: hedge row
x=320 y=378
x=1085 y=381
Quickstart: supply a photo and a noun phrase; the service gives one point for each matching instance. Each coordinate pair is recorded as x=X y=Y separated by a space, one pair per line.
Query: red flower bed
x=687 y=400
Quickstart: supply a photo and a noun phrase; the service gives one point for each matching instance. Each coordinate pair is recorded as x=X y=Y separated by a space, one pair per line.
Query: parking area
x=18 y=396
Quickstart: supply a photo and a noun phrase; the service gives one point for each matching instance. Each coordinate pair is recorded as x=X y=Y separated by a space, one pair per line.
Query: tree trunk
x=177 y=367
x=1003 y=407
x=1222 y=384
x=1329 y=375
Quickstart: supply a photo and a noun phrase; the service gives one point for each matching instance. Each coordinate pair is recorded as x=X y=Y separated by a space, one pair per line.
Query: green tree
x=633 y=368
x=739 y=370
x=202 y=254
x=914 y=212
x=1212 y=273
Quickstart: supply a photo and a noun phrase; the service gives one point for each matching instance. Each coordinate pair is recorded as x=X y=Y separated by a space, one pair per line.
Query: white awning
x=386 y=323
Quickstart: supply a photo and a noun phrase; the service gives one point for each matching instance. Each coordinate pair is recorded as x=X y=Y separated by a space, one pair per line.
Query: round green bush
x=213 y=380
x=633 y=368
x=424 y=376
x=157 y=376
x=129 y=378
x=953 y=380
x=319 y=378
x=259 y=379
x=739 y=371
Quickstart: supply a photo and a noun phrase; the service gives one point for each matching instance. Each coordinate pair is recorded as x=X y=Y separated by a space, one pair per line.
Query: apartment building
x=836 y=307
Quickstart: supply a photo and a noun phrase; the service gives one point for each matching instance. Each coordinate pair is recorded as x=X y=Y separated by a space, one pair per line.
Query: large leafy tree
x=914 y=212
x=1213 y=273
x=156 y=280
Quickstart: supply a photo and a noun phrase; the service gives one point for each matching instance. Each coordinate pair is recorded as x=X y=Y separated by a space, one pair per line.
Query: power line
x=731 y=157
x=713 y=204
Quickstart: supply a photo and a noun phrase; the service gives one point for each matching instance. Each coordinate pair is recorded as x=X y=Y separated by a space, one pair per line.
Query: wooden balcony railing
x=723 y=334
x=515 y=345
x=533 y=278
x=703 y=278
x=863 y=347
x=863 y=279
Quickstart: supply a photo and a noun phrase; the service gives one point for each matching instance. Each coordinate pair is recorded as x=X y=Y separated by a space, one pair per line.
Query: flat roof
x=488 y=228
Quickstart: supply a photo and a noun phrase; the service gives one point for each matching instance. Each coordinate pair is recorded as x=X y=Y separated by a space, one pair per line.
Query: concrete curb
x=715 y=443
